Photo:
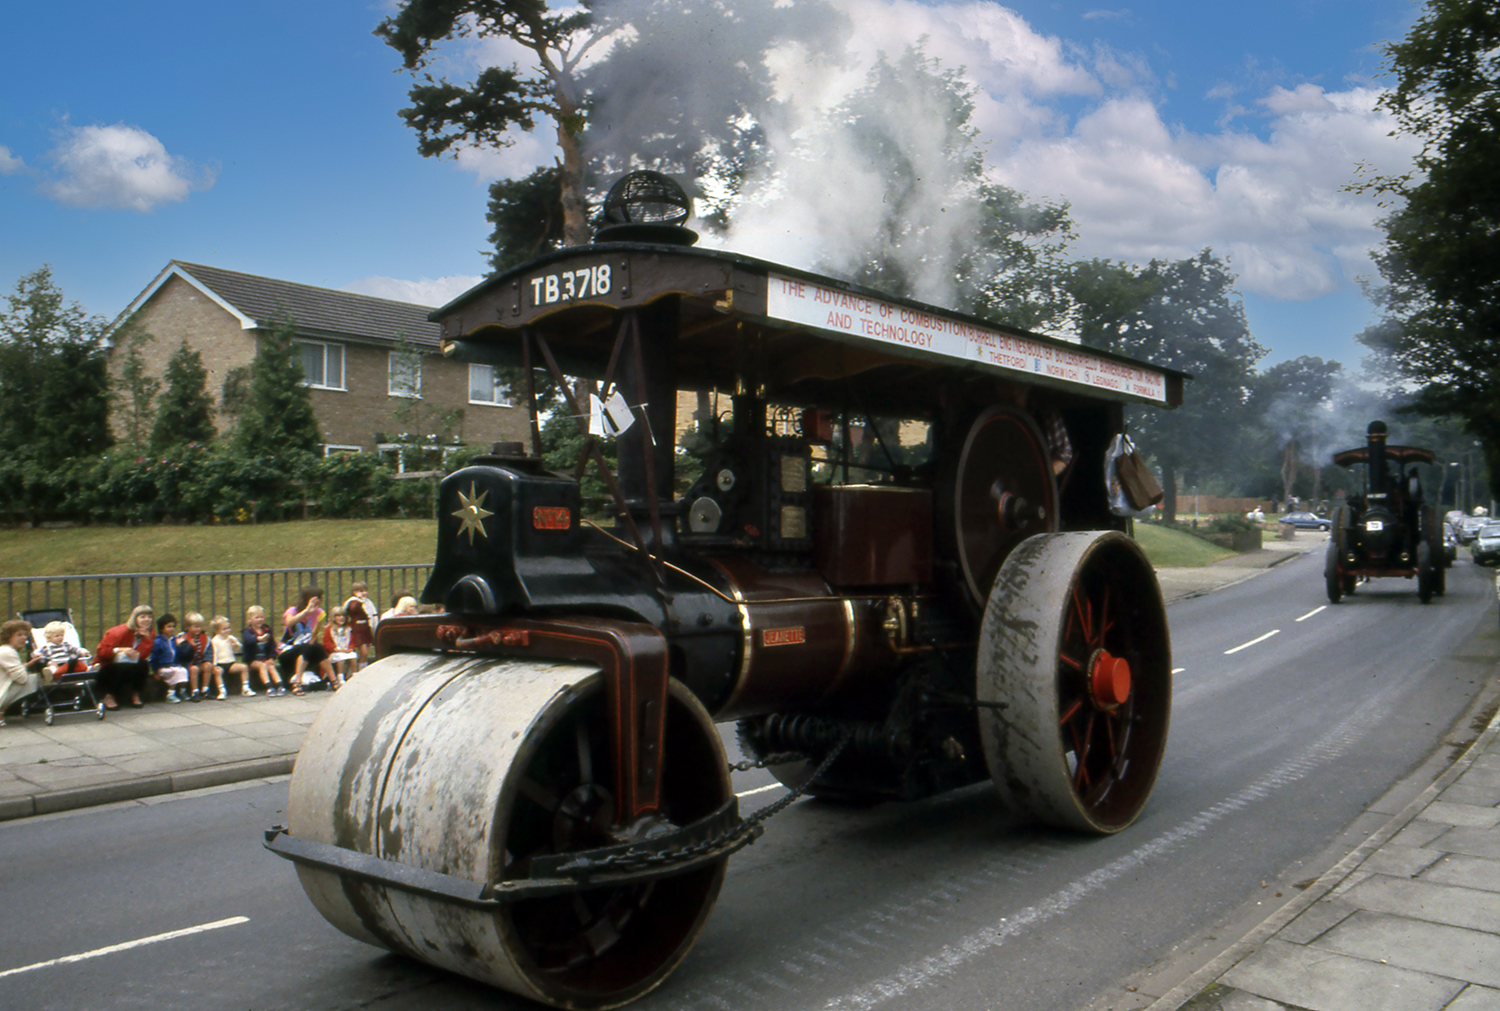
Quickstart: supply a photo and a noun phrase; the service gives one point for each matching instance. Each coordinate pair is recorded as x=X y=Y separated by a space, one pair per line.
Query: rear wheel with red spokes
x=1075 y=647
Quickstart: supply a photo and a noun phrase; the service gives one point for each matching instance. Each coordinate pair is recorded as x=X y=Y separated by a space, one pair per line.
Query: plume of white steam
x=887 y=176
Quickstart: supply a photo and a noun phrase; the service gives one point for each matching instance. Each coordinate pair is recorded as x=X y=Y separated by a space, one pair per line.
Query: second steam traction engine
x=886 y=548
x=1387 y=530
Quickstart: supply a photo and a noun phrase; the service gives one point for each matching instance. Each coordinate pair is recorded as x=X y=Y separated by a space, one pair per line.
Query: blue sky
x=264 y=137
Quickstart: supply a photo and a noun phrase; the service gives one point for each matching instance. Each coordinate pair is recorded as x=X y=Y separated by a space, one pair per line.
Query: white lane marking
x=127 y=945
x=951 y=957
x=760 y=789
x=1178 y=670
x=1252 y=642
x=1314 y=611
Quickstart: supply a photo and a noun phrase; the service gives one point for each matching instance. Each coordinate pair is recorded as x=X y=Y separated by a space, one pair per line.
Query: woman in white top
x=17 y=680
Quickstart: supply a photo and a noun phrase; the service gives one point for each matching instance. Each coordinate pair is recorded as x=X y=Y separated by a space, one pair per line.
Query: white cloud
x=520 y=158
x=434 y=291
x=1272 y=200
x=1276 y=205
x=122 y=167
x=10 y=164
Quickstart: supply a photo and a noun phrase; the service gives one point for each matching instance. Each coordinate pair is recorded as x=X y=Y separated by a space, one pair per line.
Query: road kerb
x=1189 y=988
x=54 y=801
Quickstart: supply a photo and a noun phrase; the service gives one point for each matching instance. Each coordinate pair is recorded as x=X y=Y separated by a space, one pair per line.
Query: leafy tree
x=941 y=230
x=138 y=388
x=186 y=411
x=278 y=416
x=527 y=215
x=1441 y=259
x=642 y=104
x=1292 y=403
x=54 y=377
x=500 y=100
x=1184 y=314
x=234 y=393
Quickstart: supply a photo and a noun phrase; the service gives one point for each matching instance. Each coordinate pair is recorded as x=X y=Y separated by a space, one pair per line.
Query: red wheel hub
x=1109 y=679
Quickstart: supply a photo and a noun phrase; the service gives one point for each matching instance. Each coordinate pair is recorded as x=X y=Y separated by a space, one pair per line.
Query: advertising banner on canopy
x=813 y=305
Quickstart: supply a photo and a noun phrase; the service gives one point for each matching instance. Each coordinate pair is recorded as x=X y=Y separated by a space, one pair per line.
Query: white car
x=1486 y=546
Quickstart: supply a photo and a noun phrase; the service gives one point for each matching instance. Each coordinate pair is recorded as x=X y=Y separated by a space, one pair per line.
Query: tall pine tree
x=278 y=416
x=185 y=412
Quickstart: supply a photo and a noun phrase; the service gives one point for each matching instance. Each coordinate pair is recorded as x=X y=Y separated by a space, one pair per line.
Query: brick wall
x=353 y=416
x=178 y=312
x=348 y=417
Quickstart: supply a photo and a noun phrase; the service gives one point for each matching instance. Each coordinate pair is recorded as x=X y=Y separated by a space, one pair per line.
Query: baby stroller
x=70 y=693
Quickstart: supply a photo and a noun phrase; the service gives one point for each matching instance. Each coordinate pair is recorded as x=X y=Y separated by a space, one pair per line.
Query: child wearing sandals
x=338 y=643
x=225 y=649
x=203 y=673
x=259 y=644
x=166 y=665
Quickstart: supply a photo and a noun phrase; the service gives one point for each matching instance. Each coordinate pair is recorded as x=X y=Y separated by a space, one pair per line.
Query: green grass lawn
x=86 y=550
x=1168 y=548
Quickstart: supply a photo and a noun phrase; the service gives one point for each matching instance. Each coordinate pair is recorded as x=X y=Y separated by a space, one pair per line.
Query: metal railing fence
x=99 y=602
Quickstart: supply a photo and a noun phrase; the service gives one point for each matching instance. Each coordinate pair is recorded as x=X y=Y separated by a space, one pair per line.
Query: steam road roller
x=878 y=534
x=1387 y=529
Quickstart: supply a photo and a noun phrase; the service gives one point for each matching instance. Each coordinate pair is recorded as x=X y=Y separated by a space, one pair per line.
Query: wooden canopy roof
x=802 y=336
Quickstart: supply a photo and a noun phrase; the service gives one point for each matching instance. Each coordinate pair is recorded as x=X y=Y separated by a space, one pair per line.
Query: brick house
x=351 y=355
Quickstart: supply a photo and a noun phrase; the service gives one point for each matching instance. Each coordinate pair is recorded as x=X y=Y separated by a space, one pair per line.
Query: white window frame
x=392 y=361
x=326 y=346
x=330 y=448
x=498 y=400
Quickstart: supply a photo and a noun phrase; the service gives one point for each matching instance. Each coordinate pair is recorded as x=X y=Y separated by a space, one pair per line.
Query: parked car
x=1486 y=546
x=1306 y=521
x=1450 y=545
x=1469 y=527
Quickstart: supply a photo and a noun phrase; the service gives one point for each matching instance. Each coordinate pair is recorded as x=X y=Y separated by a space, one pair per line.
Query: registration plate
x=1374 y=526
x=568 y=285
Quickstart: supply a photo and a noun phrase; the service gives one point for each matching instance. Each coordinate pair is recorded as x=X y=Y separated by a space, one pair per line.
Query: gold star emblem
x=471 y=513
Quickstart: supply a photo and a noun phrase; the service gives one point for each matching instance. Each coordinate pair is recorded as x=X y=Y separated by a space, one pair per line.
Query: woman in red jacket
x=122 y=656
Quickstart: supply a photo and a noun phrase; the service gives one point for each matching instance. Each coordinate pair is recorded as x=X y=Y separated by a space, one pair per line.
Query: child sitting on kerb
x=60 y=656
x=166 y=666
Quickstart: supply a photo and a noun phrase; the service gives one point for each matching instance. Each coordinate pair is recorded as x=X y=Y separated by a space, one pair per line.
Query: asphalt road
x=1289 y=722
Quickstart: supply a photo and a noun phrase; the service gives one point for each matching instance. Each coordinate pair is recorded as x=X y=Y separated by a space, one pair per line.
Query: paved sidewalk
x=80 y=761
x=1409 y=921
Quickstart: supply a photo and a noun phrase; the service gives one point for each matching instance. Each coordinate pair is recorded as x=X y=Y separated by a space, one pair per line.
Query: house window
x=486 y=386
x=322 y=364
x=405 y=375
x=334 y=449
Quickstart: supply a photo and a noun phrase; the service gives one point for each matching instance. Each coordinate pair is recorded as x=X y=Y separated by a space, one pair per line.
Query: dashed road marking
x=1314 y=611
x=1178 y=670
x=127 y=945
x=1252 y=642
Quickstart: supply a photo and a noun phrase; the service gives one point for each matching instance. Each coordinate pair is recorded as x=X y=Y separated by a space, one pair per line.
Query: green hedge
x=198 y=483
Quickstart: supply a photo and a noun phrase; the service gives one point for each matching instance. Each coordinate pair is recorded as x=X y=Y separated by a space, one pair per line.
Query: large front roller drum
x=469 y=766
x=1074 y=650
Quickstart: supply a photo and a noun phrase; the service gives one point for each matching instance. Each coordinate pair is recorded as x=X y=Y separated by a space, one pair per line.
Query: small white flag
x=610 y=417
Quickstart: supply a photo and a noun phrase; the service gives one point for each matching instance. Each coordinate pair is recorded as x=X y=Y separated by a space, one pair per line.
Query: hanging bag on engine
x=1132 y=486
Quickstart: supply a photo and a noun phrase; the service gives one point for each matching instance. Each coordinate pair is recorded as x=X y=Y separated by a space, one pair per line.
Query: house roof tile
x=321 y=310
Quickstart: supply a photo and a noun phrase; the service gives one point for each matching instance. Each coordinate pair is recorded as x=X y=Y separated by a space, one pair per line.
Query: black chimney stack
x=1375 y=466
